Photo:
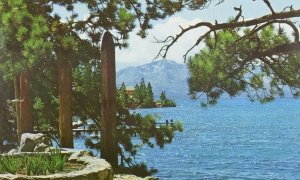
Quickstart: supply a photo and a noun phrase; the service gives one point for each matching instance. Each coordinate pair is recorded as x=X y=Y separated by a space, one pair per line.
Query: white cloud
x=141 y=51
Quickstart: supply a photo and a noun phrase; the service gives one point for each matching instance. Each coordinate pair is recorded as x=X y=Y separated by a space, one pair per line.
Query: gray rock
x=27 y=145
x=78 y=154
x=13 y=151
x=40 y=147
x=49 y=149
x=132 y=177
x=30 y=141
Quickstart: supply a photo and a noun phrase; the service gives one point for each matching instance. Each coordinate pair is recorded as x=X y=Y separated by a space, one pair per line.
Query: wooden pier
x=86 y=130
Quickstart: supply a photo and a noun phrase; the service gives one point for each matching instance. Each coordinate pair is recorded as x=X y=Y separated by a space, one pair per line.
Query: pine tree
x=218 y=69
x=165 y=101
x=142 y=92
x=36 y=39
x=253 y=56
x=136 y=95
x=109 y=142
x=163 y=96
x=122 y=96
x=24 y=31
x=149 y=100
x=65 y=51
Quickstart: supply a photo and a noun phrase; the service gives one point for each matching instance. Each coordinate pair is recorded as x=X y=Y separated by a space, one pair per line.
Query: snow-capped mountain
x=164 y=75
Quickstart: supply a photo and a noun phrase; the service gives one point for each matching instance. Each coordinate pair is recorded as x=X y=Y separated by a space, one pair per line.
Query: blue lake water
x=235 y=139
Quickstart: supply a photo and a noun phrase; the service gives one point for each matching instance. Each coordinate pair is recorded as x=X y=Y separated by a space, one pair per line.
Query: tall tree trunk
x=2 y=111
x=108 y=101
x=65 y=98
x=17 y=104
x=26 y=104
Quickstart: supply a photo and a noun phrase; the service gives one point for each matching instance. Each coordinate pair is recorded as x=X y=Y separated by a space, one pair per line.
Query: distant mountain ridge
x=164 y=75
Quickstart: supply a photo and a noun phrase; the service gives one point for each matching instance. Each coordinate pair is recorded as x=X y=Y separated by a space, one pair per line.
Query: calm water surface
x=235 y=139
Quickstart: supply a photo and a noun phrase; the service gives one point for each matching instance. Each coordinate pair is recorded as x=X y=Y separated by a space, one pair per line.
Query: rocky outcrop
x=95 y=169
x=132 y=177
x=32 y=143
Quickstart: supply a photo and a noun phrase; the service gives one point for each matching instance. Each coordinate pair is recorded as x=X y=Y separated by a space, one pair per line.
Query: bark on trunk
x=17 y=104
x=26 y=104
x=108 y=101
x=65 y=109
x=2 y=111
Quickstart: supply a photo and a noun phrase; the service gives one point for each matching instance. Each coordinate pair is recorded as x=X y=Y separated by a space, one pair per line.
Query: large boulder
x=34 y=142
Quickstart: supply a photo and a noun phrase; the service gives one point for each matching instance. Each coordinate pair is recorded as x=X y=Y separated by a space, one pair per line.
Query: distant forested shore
x=141 y=96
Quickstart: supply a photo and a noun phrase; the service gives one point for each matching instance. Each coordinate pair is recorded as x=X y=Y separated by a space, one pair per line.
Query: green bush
x=10 y=165
x=168 y=103
x=57 y=161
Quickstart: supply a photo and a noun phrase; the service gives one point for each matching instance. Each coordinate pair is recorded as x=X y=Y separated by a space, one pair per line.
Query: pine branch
x=282 y=17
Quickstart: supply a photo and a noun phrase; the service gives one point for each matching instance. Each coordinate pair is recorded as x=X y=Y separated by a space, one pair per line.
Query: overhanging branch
x=258 y=23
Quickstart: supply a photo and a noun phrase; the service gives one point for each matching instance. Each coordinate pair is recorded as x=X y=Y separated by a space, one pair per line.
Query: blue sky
x=141 y=51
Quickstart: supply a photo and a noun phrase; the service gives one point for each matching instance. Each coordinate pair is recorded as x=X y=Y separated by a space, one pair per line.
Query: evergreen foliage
x=236 y=59
x=25 y=31
x=36 y=40
x=142 y=97
x=229 y=64
x=122 y=96
x=254 y=56
x=149 y=99
x=165 y=102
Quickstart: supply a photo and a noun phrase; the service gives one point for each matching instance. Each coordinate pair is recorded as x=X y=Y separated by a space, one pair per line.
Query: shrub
x=38 y=164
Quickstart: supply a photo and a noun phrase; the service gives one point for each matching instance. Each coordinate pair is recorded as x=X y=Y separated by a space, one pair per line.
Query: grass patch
x=37 y=164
